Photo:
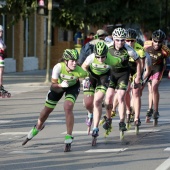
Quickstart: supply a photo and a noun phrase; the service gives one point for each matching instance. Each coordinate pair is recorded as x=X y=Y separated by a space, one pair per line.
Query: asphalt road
x=149 y=150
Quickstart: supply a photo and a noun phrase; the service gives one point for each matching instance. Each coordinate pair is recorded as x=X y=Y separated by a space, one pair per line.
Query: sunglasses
x=130 y=40
x=159 y=42
x=120 y=40
x=100 y=57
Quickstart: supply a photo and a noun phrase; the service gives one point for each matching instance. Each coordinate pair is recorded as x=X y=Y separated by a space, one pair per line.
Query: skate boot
x=155 y=117
x=132 y=114
x=122 y=128
x=113 y=114
x=33 y=132
x=89 y=121
x=128 y=122
x=107 y=126
x=137 y=123
x=95 y=134
x=103 y=120
x=68 y=141
x=148 y=115
x=4 y=93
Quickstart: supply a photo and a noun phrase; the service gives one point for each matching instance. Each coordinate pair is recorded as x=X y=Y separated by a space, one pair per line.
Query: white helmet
x=119 y=33
x=1 y=28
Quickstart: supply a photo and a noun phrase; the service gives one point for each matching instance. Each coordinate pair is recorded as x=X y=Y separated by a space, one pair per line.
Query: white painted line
x=77 y=132
x=106 y=150
x=144 y=130
x=30 y=151
x=164 y=166
x=167 y=149
x=14 y=133
x=56 y=121
x=5 y=121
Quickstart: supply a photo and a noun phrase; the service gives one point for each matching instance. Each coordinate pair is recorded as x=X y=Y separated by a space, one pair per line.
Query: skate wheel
x=25 y=141
x=67 y=147
x=155 y=122
x=137 y=130
x=121 y=135
x=9 y=95
x=94 y=139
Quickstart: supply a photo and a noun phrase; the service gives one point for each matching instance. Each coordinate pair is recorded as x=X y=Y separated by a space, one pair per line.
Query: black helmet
x=158 y=35
x=131 y=33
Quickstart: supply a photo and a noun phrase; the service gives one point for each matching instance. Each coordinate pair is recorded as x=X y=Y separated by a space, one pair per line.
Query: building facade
x=27 y=43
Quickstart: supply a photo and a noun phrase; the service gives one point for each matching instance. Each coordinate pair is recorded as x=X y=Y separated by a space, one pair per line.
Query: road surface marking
x=144 y=130
x=77 y=132
x=56 y=121
x=167 y=149
x=165 y=165
x=5 y=121
x=107 y=150
x=14 y=133
x=30 y=151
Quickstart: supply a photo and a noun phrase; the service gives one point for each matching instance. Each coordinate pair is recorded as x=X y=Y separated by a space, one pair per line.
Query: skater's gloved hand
x=86 y=83
x=64 y=84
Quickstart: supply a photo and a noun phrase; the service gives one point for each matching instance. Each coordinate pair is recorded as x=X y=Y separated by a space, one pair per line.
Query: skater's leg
x=88 y=103
x=68 y=108
x=155 y=93
x=115 y=105
x=97 y=111
x=121 y=100
x=150 y=95
x=43 y=117
x=1 y=75
x=136 y=102
x=109 y=101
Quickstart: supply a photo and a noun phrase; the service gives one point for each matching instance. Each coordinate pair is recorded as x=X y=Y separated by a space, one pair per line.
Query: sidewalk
x=27 y=77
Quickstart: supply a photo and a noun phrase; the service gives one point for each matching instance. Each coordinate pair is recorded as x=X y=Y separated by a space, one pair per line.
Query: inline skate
x=155 y=118
x=113 y=114
x=95 y=134
x=68 y=141
x=137 y=123
x=89 y=121
x=4 y=93
x=33 y=132
x=107 y=126
x=148 y=115
x=122 y=129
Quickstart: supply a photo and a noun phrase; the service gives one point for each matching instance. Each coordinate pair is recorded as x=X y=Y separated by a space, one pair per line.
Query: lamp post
x=47 y=80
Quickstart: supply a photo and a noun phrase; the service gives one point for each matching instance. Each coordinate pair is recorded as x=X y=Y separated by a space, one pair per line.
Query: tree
x=73 y=14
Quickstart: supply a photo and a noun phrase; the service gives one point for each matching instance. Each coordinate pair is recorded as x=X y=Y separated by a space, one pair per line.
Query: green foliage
x=74 y=14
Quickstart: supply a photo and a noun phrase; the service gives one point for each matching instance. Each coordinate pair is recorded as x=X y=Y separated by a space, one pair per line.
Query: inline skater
x=3 y=92
x=158 y=53
x=65 y=80
x=120 y=76
x=97 y=64
x=133 y=103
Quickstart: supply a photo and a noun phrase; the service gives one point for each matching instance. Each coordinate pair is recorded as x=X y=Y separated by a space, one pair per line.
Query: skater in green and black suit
x=65 y=80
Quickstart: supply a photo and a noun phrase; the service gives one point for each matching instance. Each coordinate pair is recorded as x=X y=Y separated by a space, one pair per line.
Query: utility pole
x=47 y=80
